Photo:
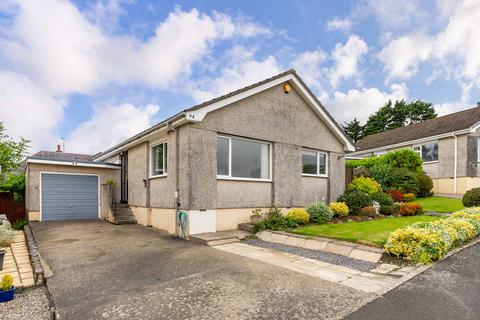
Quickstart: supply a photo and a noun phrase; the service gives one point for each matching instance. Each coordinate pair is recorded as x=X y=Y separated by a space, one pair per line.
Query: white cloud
x=243 y=70
x=110 y=125
x=346 y=58
x=450 y=107
x=309 y=66
x=454 y=52
x=82 y=58
x=339 y=24
x=393 y=13
x=27 y=111
x=360 y=103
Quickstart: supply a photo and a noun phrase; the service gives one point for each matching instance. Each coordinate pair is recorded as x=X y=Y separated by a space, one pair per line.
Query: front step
x=222 y=241
x=220 y=237
x=125 y=221
x=122 y=214
x=248 y=227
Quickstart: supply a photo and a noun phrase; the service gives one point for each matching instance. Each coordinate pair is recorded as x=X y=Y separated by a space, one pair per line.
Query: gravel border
x=317 y=255
x=31 y=304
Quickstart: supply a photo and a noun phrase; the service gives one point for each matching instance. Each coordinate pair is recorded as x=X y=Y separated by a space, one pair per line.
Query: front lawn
x=373 y=232
x=440 y=204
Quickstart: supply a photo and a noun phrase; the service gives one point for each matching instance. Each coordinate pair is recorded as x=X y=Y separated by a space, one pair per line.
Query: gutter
x=177 y=170
x=76 y=163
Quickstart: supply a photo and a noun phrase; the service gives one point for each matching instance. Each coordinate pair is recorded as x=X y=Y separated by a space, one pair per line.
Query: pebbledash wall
x=284 y=120
x=32 y=185
x=442 y=171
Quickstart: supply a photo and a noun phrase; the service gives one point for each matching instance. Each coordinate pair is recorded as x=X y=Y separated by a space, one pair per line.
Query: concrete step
x=246 y=227
x=221 y=241
x=125 y=221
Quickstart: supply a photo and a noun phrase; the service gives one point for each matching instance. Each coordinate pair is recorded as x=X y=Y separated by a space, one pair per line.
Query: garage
x=69 y=196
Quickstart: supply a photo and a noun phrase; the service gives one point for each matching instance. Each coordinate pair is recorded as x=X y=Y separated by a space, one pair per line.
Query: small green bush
x=404 y=180
x=276 y=221
x=340 y=209
x=300 y=215
x=425 y=185
x=382 y=198
x=355 y=200
x=403 y=158
x=364 y=184
x=319 y=212
x=471 y=198
x=387 y=210
x=7 y=282
x=381 y=173
x=19 y=224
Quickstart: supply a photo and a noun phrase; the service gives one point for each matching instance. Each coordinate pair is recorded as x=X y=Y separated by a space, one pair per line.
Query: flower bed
x=426 y=242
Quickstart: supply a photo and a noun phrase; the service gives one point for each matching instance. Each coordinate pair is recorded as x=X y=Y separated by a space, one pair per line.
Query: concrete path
x=449 y=290
x=104 y=271
x=369 y=282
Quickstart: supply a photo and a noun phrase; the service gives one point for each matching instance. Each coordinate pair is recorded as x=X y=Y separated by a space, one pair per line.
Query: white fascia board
x=475 y=127
x=147 y=137
x=73 y=163
x=199 y=114
x=411 y=142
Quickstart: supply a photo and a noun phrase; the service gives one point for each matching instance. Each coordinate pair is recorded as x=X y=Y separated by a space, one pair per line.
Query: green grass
x=440 y=204
x=373 y=232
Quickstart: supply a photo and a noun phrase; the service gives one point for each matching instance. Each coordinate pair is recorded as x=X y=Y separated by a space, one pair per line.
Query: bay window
x=241 y=158
x=314 y=163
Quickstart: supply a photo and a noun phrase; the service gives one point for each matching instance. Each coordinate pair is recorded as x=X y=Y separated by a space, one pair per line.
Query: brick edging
x=38 y=272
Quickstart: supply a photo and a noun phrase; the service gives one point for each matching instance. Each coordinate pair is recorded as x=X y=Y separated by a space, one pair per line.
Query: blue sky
x=97 y=72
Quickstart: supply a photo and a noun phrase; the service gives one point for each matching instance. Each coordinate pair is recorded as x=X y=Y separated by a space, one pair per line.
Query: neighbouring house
x=448 y=146
x=268 y=144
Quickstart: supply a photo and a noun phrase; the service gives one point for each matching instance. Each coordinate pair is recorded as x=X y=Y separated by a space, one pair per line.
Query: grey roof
x=449 y=123
x=52 y=155
x=206 y=103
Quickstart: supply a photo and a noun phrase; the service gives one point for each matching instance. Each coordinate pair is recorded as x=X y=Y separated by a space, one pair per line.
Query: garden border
x=348 y=249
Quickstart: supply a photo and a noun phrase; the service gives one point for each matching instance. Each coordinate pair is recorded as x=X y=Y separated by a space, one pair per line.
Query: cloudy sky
x=97 y=72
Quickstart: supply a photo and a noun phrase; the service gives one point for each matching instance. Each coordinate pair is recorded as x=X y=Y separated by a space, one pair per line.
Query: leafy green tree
x=398 y=114
x=12 y=152
x=354 y=130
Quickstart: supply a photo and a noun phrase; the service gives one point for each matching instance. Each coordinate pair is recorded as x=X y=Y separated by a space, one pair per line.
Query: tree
x=354 y=130
x=11 y=152
x=399 y=114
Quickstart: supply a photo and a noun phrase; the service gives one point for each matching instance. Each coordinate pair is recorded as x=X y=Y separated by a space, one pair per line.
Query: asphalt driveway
x=104 y=271
x=449 y=290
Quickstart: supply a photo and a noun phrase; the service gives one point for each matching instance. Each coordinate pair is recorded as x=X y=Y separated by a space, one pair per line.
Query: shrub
x=19 y=224
x=387 y=210
x=425 y=185
x=408 y=197
x=410 y=209
x=396 y=195
x=417 y=244
x=364 y=184
x=339 y=209
x=6 y=235
x=300 y=215
x=369 y=211
x=381 y=173
x=355 y=200
x=382 y=198
x=395 y=159
x=471 y=198
x=319 y=212
x=276 y=221
x=404 y=180
x=7 y=282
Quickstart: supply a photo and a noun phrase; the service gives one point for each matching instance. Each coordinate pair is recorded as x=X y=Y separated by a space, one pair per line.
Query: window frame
x=420 y=151
x=318 y=174
x=165 y=157
x=229 y=176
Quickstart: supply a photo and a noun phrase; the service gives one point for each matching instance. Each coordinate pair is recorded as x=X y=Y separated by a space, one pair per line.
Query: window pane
x=430 y=152
x=323 y=163
x=309 y=162
x=165 y=153
x=157 y=160
x=222 y=156
x=250 y=159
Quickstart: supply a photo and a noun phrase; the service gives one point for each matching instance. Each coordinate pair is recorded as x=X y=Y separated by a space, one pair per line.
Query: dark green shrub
x=355 y=200
x=276 y=221
x=381 y=173
x=425 y=185
x=404 y=180
x=387 y=210
x=19 y=224
x=471 y=198
x=382 y=198
x=320 y=213
x=404 y=158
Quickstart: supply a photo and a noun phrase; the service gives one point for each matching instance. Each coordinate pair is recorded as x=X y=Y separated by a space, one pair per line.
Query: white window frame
x=420 y=151
x=229 y=176
x=321 y=175
x=165 y=156
x=478 y=149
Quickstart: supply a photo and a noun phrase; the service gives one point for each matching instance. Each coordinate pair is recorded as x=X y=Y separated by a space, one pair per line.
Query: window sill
x=428 y=162
x=314 y=175
x=243 y=179
x=158 y=176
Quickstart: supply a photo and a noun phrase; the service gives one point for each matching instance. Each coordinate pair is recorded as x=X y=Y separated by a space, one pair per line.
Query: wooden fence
x=13 y=210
